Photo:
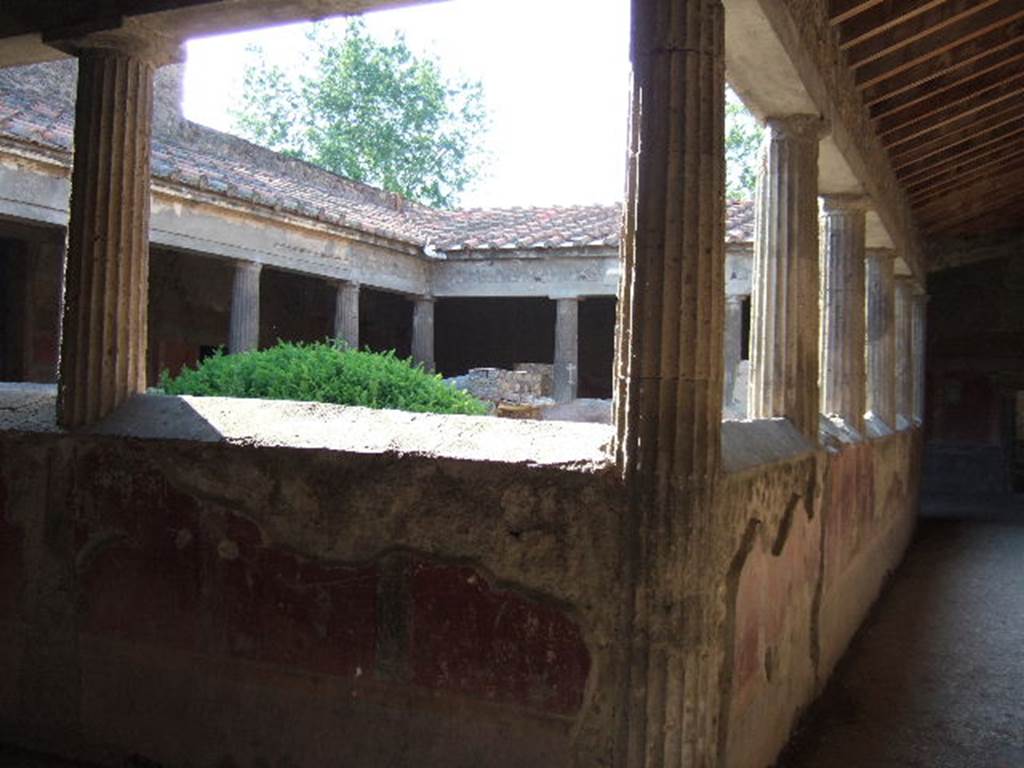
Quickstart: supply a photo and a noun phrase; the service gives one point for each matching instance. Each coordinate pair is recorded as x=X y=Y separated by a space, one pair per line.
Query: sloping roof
x=37 y=107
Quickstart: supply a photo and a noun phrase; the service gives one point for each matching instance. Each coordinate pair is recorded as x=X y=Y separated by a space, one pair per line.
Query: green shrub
x=323 y=372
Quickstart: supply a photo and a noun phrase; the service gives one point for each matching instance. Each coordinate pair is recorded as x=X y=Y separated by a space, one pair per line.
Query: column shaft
x=669 y=382
x=881 y=350
x=843 y=381
x=423 y=332
x=103 y=346
x=566 y=369
x=244 y=333
x=784 y=323
x=904 y=351
x=920 y=353
x=346 y=314
x=733 y=343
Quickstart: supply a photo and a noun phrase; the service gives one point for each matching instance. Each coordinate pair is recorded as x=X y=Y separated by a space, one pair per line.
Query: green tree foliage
x=743 y=137
x=370 y=111
x=323 y=372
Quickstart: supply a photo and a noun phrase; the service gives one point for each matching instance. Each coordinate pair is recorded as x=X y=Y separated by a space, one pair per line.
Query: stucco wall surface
x=221 y=594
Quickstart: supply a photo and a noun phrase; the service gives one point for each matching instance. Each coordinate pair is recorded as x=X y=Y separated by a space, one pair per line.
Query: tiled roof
x=37 y=107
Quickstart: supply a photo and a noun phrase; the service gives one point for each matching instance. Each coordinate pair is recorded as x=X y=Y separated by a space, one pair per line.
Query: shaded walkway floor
x=935 y=679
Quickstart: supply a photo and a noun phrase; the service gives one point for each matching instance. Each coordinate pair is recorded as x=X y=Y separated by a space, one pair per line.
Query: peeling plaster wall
x=315 y=606
x=820 y=536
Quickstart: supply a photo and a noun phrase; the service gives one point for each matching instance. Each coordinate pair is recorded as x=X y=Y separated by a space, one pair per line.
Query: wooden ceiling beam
x=958 y=176
x=984 y=47
x=974 y=151
x=997 y=108
x=977 y=29
x=920 y=27
x=977 y=129
x=1005 y=88
x=987 y=71
x=880 y=20
x=958 y=215
x=971 y=203
x=843 y=10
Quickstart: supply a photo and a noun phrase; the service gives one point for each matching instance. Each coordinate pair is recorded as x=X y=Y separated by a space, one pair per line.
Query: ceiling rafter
x=957 y=176
x=991 y=110
x=843 y=10
x=966 y=154
x=977 y=129
x=926 y=50
x=918 y=28
x=880 y=20
x=984 y=47
x=936 y=89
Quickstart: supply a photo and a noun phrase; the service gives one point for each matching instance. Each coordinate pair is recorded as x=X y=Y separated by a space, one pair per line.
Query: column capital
x=735 y=299
x=882 y=254
x=248 y=266
x=845 y=203
x=425 y=299
x=131 y=38
x=566 y=296
x=798 y=127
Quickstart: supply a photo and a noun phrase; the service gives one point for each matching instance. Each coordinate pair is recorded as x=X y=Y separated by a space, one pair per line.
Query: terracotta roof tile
x=36 y=106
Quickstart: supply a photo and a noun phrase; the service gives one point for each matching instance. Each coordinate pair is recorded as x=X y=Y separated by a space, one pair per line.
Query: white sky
x=556 y=89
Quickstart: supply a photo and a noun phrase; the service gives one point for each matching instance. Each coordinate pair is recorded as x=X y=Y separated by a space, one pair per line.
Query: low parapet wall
x=206 y=581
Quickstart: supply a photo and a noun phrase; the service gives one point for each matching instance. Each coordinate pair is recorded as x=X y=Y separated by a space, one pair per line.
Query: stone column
x=244 y=333
x=423 y=332
x=669 y=389
x=733 y=348
x=843 y=380
x=784 y=313
x=881 y=350
x=904 y=351
x=567 y=336
x=346 y=314
x=103 y=344
x=920 y=348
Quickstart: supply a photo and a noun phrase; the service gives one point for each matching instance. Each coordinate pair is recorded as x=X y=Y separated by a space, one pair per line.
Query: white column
x=881 y=353
x=843 y=379
x=423 y=332
x=103 y=347
x=566 y=368
x=346 y=314
x=244 y=332
x=920 y=348
x=904 y=352
x=784 y=317
x=733 y=344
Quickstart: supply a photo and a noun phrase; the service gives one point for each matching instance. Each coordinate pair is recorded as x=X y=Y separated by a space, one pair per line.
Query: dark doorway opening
x=493 y=333
x=385 y=322
x=596 y=346
x=294 y=307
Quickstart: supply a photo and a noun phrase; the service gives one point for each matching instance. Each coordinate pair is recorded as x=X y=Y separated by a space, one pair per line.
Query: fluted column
x=103 y=340
x=566 y=368
x=881 y=339
x=784 y=313
x=843 y=379
x=669 y=383
x=733 y=343
x=920 y=345
x=904 y=345
x=346 y=314
x=244 y=333
x=423 y=332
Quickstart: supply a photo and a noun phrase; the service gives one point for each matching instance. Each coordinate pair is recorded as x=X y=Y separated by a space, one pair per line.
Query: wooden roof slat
x=949 y=83
x=978 y=98
x=956 y=212
x=995 y=109
x=977 y=129
x=963 y=154
x=880 y=20
x=986 y=46
x=918 y=28
x=963 y=33
x=843 y=10
x=956 y=176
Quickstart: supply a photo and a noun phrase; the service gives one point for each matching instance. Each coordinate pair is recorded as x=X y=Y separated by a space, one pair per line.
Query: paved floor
x=935 y=679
